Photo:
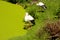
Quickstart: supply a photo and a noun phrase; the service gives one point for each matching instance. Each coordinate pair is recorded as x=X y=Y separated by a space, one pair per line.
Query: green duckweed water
x=11 y=20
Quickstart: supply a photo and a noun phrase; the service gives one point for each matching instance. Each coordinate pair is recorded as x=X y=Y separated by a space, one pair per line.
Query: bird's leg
x=30 y=23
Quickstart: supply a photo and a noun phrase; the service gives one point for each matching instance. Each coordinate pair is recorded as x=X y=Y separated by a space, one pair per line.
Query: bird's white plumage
x=28 y=17
x=40 y=4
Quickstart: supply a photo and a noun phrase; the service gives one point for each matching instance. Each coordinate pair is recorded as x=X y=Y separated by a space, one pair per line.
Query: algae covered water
x=11 y=20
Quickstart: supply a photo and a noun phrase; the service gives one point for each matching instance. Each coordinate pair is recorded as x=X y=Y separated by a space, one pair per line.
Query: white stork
x=41 y=4
x=29 y=18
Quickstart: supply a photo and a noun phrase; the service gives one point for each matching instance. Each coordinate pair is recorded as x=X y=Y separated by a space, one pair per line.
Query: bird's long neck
x=27 y=14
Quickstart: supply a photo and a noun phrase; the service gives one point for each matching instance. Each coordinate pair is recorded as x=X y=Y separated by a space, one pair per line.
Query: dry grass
x=54 y=29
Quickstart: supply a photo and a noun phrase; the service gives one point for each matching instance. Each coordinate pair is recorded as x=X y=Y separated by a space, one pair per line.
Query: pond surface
x=11 y=20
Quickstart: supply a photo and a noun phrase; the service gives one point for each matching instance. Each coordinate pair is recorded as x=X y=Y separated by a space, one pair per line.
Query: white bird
x=28 y=17
x=41 y=4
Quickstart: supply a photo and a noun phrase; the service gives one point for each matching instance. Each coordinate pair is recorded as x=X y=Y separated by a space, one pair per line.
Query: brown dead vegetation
x=54 y=29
